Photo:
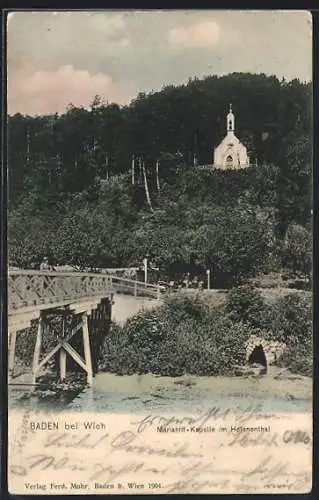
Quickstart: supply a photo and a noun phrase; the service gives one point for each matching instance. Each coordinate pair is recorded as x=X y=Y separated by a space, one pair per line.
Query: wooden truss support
x=62 y=364
x=64 y=348
x=63 y=354
x=87 y=350
x=37 y=348
x=12 y=348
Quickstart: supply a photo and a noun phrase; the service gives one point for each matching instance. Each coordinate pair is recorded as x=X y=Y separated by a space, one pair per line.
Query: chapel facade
x=231 y=154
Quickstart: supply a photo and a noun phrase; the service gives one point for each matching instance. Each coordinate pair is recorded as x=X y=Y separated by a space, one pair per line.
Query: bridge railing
x=29 y=288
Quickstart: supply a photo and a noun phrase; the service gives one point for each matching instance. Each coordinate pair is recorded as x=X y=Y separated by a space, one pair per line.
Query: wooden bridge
x=39 y=295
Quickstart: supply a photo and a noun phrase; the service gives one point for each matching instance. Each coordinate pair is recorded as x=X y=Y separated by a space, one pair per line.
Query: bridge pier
x=93 y=322
x=64 y=348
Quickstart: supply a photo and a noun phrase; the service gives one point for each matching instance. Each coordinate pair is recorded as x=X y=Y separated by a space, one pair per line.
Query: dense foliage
x=287 y=320
x=181 y=337
x=185 y=337
x=71 y=197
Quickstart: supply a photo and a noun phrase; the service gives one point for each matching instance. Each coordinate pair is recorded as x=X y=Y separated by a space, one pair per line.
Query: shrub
x=200 y=343
x=145 y=328
x=179 y=307
x=299 y=359
x=292 y=320
x=245 y=303
x=296 y=253
x=229 y=338
x=292 y=324
x=118 y=354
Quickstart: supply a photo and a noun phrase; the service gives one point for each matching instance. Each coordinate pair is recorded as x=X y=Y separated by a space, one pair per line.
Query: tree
x=297 y=251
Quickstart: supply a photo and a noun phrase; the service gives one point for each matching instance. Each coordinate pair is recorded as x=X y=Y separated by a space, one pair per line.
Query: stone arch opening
x=258 y=356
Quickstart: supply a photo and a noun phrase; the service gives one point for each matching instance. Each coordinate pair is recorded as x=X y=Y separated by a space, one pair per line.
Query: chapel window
x=229 y=159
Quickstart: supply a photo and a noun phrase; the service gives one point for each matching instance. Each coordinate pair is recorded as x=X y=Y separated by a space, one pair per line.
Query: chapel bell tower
x=231 y=153
x=230 y=121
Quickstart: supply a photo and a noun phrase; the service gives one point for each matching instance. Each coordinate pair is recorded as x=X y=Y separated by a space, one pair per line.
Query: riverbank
x=286 y=386
x=277 y=383
x=137 y=394
x=279 y=390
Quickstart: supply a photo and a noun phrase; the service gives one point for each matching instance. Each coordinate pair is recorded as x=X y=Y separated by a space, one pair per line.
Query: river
x=138 y=394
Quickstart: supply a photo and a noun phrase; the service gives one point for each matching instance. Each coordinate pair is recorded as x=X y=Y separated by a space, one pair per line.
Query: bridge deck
x=38 y=290
x=22 y=317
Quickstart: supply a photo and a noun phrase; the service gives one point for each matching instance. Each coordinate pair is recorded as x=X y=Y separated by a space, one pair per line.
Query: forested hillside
x=236 y=223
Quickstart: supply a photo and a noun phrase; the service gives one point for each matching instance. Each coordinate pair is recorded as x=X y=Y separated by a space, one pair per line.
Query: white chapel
x=231 y=153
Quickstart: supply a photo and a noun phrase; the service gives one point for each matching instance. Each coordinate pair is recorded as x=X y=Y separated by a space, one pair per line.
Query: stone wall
x=272 y=349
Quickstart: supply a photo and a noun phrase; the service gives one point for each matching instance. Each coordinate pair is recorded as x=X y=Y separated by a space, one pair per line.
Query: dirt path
x=126 y=306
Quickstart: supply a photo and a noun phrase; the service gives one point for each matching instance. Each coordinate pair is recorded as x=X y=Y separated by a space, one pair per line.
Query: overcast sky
x=55 y=58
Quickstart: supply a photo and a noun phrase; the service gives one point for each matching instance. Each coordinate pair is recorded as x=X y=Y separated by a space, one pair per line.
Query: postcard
x=159 y=252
